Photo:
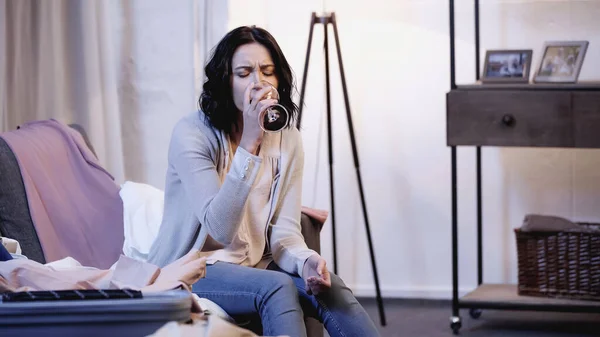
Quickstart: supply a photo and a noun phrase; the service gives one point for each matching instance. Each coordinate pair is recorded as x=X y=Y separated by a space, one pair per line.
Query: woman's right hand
x=254 y=105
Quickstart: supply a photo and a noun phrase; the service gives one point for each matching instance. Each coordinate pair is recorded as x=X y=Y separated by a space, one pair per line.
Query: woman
x=234 y=192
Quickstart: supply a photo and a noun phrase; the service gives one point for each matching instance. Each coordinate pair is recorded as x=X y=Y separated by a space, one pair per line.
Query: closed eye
x=268 y=70
x=243 y=71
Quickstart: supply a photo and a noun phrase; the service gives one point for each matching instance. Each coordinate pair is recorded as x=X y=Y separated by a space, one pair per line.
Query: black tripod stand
x=326 y=20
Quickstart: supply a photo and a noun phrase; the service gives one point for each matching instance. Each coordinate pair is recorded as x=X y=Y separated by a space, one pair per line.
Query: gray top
x=205 y=197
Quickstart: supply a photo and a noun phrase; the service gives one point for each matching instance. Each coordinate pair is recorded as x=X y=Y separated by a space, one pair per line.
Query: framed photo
x=561 y=61
x=507 y=66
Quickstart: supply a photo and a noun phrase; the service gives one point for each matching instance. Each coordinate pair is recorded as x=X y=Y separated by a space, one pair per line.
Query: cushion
x=15 y=220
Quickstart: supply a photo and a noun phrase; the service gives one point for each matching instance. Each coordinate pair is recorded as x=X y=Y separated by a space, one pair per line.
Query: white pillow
x=142 y=214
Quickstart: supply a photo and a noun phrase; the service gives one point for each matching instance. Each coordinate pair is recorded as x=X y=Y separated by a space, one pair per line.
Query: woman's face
x=251 y=63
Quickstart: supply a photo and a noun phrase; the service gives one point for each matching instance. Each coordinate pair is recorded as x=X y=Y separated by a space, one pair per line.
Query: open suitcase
x=91 y=313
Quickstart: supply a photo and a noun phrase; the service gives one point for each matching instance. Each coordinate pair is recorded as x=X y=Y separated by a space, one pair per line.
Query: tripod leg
x=313 y=19
x=330 y=148
x=356 y=165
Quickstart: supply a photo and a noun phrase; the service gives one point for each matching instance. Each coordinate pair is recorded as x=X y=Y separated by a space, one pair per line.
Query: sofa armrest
x=311 y=230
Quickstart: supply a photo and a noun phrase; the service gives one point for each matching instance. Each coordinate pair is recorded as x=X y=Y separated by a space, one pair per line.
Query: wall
x=161 y=46
x=154 y=42
x=396 y=59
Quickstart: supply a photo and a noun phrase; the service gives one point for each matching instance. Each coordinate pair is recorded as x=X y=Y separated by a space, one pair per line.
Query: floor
x=427 y=318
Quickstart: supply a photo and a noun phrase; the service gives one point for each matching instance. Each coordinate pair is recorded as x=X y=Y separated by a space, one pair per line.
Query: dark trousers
x=4 y=254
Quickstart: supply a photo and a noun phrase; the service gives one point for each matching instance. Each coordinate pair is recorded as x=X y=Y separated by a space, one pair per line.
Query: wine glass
x=275 y=117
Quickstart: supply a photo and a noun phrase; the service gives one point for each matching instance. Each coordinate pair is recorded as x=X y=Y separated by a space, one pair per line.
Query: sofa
x=16 y=222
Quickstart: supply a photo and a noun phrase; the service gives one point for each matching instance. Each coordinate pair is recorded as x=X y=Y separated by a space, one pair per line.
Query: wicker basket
x=559 y=264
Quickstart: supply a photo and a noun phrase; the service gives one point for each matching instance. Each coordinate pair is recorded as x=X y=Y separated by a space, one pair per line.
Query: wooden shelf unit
x=505 y=297
x=512 y=115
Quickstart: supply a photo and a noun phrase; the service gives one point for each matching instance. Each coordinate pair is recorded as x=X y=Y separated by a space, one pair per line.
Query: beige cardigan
x=203 y=213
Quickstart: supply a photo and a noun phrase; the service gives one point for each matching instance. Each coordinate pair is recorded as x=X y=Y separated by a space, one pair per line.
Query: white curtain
x=92 y=62
x=58 y=63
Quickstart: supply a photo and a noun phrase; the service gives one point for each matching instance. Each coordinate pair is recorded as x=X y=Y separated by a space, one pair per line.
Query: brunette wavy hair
x=216 y=100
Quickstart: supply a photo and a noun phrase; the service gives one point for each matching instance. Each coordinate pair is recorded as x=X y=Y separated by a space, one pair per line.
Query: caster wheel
x=455 y=324
x=475 y=313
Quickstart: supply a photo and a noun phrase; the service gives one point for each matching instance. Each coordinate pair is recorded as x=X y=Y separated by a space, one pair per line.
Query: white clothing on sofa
x=142 y=213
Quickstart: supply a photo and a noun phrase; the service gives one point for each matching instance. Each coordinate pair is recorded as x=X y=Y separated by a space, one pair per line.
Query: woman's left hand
x=316 y=276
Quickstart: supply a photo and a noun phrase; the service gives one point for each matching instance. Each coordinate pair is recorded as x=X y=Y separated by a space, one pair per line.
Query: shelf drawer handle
x=508 y=120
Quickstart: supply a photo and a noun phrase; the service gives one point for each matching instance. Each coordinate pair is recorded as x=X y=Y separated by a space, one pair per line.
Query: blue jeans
x=4 y=254
x=281 y=301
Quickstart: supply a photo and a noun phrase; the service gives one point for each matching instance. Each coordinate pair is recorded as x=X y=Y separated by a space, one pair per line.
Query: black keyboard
x=70 y=295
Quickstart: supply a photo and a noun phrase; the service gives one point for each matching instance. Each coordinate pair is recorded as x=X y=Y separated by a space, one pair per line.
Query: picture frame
x=561 y=61
x=507 y=66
